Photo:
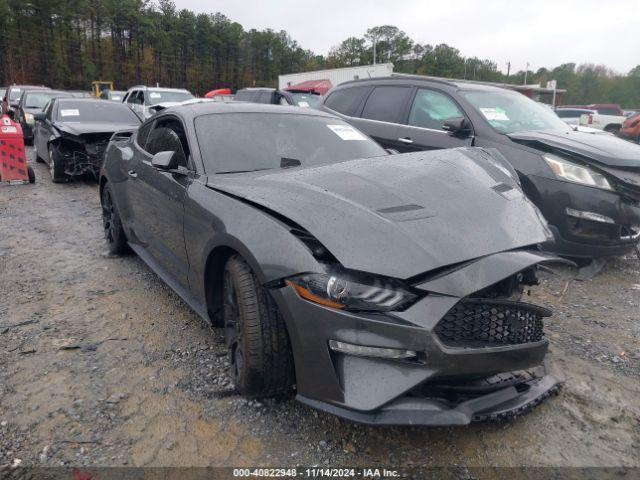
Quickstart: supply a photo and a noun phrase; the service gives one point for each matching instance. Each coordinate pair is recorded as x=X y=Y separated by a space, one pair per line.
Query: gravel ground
x=103 y=365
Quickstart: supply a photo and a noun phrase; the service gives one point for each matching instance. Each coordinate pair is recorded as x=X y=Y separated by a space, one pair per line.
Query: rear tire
x=32 y=174
x=56 y=166
x=261 y=360
x=113 y=231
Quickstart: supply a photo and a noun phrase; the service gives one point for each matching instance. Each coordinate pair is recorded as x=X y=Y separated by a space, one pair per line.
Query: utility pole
x=374 y=49
x=508 y=68
x=526 y=71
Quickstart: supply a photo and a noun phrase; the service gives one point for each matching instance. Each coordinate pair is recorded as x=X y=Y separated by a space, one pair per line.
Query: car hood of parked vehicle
x=606 y=150
x=86 y=127
x=399 y=215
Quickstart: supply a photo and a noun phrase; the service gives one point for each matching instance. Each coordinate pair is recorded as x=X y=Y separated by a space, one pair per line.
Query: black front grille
x=476 y=323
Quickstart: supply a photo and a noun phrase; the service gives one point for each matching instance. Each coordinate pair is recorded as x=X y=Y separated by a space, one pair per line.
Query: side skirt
x=184 y=293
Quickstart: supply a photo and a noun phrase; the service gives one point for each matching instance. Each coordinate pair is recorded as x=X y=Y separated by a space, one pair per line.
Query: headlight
x=355 y=294
x=28 y=118
x=576 y=173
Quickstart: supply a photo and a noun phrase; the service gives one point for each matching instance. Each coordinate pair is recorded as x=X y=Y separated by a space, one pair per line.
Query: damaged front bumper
x=84 y=154
x=471 y=359
x=502 y=397
x=79 y=163
x=587 y=221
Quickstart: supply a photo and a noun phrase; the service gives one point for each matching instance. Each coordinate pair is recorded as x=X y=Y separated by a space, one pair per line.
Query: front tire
x=56 y=166
x=261 y=361
x=113 y=231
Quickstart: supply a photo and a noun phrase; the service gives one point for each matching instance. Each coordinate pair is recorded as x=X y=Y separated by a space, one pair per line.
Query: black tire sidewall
x=57 y=172
x=119 y=245
x=267 y=355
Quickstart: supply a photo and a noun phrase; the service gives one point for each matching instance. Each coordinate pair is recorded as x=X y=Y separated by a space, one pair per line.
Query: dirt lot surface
x=102 y=364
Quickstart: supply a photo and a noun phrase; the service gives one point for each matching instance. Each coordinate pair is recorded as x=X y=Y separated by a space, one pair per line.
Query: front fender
x=214 y=219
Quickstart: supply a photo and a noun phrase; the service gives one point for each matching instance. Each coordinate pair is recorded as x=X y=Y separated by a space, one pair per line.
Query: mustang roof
x=205 y=108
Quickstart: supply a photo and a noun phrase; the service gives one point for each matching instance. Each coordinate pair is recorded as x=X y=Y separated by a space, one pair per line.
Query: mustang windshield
x=98 y=111
x=245 y=142
x=512 y=112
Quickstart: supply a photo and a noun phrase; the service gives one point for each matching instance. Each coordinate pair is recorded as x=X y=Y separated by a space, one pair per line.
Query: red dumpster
x=13 y=161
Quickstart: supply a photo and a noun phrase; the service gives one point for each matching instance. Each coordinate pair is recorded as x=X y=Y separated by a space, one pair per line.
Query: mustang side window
x=143 y=134
x=168 y=135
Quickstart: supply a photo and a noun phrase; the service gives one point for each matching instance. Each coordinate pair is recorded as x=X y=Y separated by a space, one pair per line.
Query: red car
x=631 y=128
x=220 y=94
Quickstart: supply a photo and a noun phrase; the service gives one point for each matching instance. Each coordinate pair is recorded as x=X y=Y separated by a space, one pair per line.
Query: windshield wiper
x=243 y=171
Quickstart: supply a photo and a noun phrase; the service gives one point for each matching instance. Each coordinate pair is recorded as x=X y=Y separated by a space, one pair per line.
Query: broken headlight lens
x=576 y=173
x=355 y=294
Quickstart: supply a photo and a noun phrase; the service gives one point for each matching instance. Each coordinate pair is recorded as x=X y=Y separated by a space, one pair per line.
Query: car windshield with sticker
x=162 y=96
x=512 y=112
x=80 y=111
x=244 y=142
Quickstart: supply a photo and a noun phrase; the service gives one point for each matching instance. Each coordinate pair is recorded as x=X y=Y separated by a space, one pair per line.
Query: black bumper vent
x=477 y=323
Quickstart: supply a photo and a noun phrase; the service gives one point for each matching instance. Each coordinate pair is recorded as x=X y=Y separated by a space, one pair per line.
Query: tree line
x=68 y=43
x=586 y=83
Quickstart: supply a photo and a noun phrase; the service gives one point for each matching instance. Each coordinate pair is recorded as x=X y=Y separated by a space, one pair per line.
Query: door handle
x=406 y=140
x=132 y=174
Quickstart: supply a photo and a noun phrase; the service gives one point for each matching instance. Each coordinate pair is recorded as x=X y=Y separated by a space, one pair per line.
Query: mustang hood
x=84 y=128
x=606 y=150
x=400 y=215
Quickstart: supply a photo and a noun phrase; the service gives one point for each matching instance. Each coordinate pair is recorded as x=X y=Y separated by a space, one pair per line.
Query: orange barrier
x=13 y=161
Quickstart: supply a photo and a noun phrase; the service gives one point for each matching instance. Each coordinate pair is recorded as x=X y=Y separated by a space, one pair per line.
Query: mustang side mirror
x=39 y=117
x=457 y=126
x=165 y=160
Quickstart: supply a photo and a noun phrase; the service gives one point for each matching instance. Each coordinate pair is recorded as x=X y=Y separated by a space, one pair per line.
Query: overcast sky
x=542 y=32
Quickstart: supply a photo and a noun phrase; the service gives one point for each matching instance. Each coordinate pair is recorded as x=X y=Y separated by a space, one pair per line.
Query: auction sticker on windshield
x=70 y=113
x=345 y=132
x=494 y=114
x=155 y=95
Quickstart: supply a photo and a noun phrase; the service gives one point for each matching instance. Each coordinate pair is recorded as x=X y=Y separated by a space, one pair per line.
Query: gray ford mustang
x=382 y=288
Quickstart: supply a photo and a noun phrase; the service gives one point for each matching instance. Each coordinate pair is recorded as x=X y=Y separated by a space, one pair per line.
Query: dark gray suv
x=587 y=186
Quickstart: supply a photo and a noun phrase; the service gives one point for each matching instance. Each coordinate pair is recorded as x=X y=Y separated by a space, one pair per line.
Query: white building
x=337 y=75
